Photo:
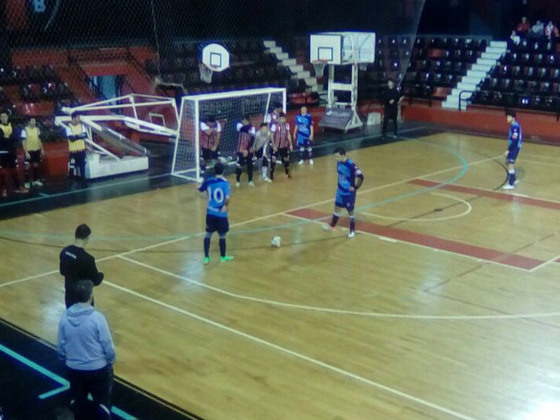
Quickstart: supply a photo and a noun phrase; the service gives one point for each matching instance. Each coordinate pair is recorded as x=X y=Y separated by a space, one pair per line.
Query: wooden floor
x=445 y=305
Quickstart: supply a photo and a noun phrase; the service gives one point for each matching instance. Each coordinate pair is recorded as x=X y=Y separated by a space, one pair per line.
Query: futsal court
x=442 y=307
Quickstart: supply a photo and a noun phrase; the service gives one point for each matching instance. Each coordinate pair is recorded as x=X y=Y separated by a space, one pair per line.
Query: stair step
x=287 y=62
x=269 y=44
x=283 y=56
x=276 y=50
x=296 y=68
x=502 y=44
x=476 y=74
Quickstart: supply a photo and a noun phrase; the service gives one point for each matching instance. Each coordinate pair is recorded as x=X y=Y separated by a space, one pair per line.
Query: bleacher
x=527 y=77
x=437 y=64
x=251 y=67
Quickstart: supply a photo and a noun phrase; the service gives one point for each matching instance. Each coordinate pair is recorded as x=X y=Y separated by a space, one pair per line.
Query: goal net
x=227 y=108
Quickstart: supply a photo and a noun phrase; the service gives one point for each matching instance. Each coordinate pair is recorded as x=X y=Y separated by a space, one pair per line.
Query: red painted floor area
x=486 y=254
x=491 y=194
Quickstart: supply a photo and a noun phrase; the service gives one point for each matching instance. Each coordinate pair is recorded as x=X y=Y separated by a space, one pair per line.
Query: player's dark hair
x=75 y=114
x=282 y=114
x=246 y=117
x=264 y=124
x=219 y=168
x=340 y=150
x=277 y=105
x=511 y=114
x=211 y=118
x=83 y=290
x=83 y=231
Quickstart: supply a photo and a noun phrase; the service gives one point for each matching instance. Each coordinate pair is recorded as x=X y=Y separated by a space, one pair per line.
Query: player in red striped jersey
x=281 y=145
x=210 y=134
x=245 y=141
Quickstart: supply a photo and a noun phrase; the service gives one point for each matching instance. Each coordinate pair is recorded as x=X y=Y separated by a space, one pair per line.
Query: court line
x=248 y=221
x=296 y=354
x=439 y=219
x=339 y=311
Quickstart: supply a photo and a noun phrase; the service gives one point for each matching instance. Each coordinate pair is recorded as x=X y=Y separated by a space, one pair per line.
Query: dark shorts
x=345 y=200
x=512 y=156
x=217 y=224
x=242 y=160
x=8 y=160
x=281 y=154
x=207 y=154
x=260 y=153
x=34 y=156
x=304 y=142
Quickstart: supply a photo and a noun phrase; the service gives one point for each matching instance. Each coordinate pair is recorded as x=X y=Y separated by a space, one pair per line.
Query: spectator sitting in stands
x=537 y=31
x=515 y=39
x=523 y=27
x=551 y=31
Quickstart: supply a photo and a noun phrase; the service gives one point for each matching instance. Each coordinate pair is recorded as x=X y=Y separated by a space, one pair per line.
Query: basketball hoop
x=205 y=73
x=319 y=67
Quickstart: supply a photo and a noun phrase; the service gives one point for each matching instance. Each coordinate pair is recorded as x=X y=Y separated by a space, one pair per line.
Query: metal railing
x=461 y=97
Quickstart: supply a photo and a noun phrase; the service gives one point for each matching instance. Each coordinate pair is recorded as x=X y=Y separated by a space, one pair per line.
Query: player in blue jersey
x=350 y=178
x=515 y=141
x=303 y=134
x=218 y=191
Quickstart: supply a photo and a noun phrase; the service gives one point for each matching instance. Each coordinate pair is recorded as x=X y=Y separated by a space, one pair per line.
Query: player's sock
x=286 y=166
x=272 y=166
x=352 y=223
x=302 y=153
x=250 y=171
x=310 y=153
x=238 y=172
x=222 y=246
x=511 y=177
x=334 y=219
x=207 y=245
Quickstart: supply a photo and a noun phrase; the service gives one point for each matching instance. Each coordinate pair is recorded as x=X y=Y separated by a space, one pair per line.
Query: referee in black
x=76 y=264
x=391 y=100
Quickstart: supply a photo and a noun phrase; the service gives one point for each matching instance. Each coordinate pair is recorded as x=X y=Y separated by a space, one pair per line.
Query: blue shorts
x=217 y=224
x=512 y=156
x=345 y=200
x=303 y=141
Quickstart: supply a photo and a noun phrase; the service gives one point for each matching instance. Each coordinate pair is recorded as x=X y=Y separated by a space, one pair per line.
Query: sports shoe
x=251 y=184
x=328 y=228
x=288 y=176
x=300 y=162
x=26 y=185
x=226 y=258
x=311 y=162
x=508 y=187
x=267 y=179
x=351 y=234
x=206 y=260
x=237 y=185
x=38 y=183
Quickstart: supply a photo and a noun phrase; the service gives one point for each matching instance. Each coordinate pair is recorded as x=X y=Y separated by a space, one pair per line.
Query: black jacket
x=76 y=264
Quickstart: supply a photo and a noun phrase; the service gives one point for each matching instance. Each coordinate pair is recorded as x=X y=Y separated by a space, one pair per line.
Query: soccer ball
x=276 y=242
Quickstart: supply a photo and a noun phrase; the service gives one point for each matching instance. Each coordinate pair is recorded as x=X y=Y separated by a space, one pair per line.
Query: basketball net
x=205 y=73
x=319 y=67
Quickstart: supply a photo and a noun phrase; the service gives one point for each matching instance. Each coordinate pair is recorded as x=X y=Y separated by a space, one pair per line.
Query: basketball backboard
x=338 y=48
x=215 y=57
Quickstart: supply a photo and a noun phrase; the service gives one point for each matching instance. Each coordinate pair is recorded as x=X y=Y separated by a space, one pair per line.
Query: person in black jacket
x=391 y=100
x=8 y=157
x=76 y=264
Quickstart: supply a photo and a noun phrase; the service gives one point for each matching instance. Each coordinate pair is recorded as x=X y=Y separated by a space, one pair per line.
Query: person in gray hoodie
x=86 y=346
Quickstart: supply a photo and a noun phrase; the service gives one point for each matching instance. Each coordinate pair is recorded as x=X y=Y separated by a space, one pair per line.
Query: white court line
x=159 y=244
x=438 y=219
x=297 y=355
x=544 y=264
x=361 y=232
x=339 y=311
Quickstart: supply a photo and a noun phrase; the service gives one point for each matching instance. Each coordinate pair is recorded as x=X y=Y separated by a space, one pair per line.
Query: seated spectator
x=515 y=39
x=537 y=31
x=523 y=27
x=551 y=31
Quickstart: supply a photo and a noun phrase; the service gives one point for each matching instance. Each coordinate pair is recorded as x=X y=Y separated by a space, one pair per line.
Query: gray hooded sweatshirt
x=84 y=338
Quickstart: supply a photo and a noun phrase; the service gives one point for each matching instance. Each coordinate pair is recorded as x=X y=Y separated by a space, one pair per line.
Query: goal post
x=228 y=108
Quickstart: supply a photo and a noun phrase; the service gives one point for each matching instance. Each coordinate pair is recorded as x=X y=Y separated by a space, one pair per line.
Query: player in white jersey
x=262 y=149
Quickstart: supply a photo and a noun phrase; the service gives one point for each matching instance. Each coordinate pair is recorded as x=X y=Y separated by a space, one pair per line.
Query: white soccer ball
x=276 y=242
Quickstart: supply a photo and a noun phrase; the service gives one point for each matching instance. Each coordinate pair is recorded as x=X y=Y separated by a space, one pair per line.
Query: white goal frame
x=193 y=174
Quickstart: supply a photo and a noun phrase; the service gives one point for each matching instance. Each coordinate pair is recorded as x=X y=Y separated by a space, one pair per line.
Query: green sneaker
x=226 y=258
x=206 y=260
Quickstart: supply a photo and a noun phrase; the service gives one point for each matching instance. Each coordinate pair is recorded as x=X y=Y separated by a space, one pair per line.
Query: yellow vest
x=32 y=141
x=76 y=145
x=7 y=130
